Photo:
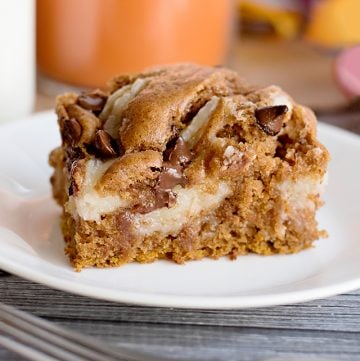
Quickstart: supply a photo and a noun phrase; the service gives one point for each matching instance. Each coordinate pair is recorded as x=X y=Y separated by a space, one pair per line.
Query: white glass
x=17 y=58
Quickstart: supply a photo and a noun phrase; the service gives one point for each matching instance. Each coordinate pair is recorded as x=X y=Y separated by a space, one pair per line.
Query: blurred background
x=309 y=47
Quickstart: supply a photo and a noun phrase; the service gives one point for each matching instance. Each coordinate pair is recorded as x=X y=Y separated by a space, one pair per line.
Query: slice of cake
x=184 y=162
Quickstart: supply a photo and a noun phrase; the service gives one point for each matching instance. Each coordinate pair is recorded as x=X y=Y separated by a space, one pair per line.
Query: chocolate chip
x=71 y=131
x=176 y=156
x=117 y=145
x=73 y=187
x=92 y=101
x=73 y=154
x=180 y=154
x=164 y=199
x=123 y=241
x=270 y=119
x=103 y=144
x=170 y=176
x=169 y=148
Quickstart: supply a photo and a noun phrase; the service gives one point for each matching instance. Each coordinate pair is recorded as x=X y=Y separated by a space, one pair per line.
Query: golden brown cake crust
x=184 y=162
x=176 y=92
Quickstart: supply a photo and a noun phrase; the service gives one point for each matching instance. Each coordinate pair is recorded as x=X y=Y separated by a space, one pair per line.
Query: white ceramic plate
x=32 y=247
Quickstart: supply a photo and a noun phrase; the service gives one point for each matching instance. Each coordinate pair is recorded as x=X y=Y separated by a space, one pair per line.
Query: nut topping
x=71 y=131
x=94 y=101
x=270 y=119
x=103 y=144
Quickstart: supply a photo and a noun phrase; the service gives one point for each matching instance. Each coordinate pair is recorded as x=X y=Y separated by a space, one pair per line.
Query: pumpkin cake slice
x=184 y=162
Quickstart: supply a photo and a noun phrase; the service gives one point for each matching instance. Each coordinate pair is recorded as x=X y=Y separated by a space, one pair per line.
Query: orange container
x=86 y=42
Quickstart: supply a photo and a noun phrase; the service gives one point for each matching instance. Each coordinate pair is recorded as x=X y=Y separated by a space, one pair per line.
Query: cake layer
x=184 y=162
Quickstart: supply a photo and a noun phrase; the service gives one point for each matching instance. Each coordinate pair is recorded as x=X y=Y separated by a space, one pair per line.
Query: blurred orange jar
x=86 y=42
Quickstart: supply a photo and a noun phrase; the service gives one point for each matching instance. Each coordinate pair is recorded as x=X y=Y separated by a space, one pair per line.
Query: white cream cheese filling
x=88 y=204
x=192 y=133
x=116 y=104
x=190 y=203
x=298 y=193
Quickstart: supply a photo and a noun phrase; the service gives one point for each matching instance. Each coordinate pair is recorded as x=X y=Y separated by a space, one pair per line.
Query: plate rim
x=182 y=301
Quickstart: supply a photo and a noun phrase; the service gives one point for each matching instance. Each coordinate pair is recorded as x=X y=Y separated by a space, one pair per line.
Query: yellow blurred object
x=284 y=22
x=335 y=23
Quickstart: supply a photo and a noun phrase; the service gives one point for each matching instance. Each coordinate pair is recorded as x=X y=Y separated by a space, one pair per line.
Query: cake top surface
x=177 y=125
x=145 y=111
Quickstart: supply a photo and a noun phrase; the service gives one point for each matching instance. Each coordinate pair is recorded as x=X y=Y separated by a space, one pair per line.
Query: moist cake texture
x=184 y=162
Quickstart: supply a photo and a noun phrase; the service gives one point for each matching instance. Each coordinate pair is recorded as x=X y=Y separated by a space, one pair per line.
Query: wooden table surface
x=328 y=328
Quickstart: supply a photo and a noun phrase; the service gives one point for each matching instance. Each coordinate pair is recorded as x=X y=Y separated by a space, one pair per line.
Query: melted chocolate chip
x=180 y=154
x=155 y=169
x=124 y=241
x=92 y=101
x=170 y=176
x=73 y=154
x=117 y=145
x=176 y=156
x=71 y=131
x=73 y=188
x=164 y=199
x=169 y=148
x=103 y=144
x=270 y=119
x=143 y=208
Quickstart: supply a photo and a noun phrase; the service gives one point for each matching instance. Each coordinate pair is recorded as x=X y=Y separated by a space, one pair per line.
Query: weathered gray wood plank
x=341 y=313
x=8 y=356
x=327 y=328
x=185 y=342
